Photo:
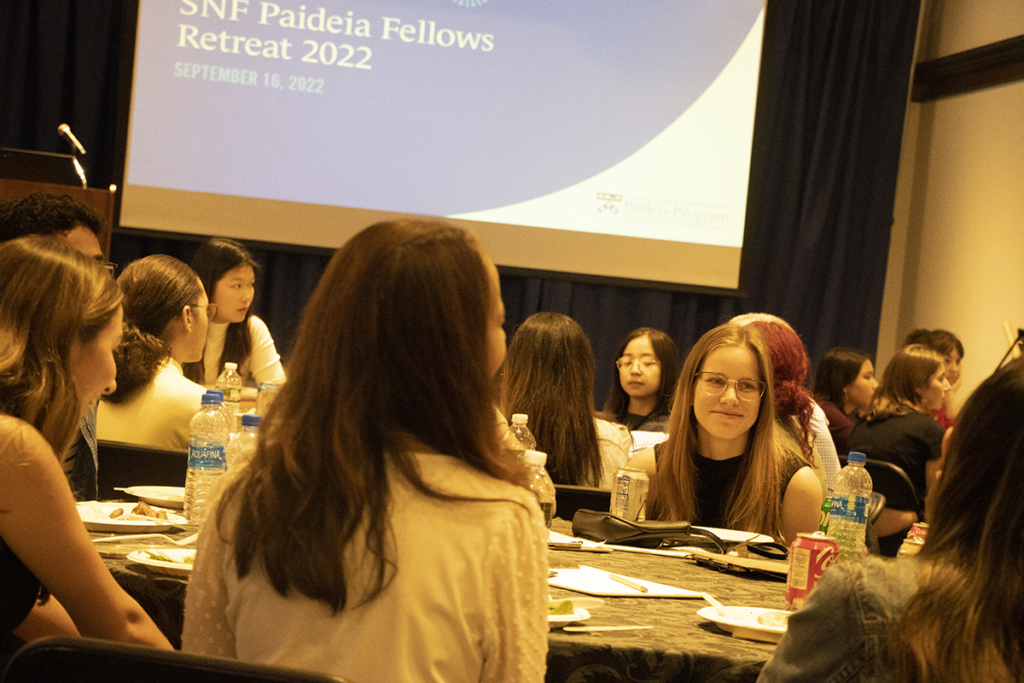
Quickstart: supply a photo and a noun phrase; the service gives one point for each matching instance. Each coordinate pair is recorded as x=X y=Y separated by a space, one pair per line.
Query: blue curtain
x=833 y=92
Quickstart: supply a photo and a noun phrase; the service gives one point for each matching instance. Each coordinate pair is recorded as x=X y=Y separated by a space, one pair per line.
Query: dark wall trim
x=963 y=72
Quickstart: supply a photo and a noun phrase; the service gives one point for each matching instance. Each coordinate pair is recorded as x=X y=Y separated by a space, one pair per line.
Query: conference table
x=681 y=646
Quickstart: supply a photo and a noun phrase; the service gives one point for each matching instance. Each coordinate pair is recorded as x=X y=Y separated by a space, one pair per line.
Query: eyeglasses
x=646 y=362
x=714 y=384
x=211 y=309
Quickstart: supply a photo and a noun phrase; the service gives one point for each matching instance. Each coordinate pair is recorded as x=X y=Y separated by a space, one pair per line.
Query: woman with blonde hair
x=720 y=466
x=380 y=532
x=899 y=428
x=549 y=375
x=166 y=313
x=953 y=612
x=60 y=320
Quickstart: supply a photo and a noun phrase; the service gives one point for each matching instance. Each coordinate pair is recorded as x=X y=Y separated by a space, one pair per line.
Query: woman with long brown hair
x=899 y=428
x=953 y=612
x=720 y=466
x=380 y=532
x=549 y=375
x=60 y=320
x=166 y=312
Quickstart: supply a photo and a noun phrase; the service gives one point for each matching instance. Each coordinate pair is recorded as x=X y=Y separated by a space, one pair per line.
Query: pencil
x=628 y=582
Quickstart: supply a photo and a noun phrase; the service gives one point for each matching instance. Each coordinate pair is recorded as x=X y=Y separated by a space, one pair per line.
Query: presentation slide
x=601 y=137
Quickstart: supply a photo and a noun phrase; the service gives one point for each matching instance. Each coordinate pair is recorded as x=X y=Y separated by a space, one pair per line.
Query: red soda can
x=914 y=540
x=809 y=557
x=918 y=531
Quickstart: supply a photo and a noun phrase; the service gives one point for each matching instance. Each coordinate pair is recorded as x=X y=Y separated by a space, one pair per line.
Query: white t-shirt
x=468 y=601
x=264 y=365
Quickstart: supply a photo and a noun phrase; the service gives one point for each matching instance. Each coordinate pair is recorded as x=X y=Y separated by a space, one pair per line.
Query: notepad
x=591 y=581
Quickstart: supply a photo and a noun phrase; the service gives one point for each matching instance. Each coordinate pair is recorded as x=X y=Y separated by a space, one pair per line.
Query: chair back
x=128 y=464
x=90 y=660
x=569 y=499
x=891 y=481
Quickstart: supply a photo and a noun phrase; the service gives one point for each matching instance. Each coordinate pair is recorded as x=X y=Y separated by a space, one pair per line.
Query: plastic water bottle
x=208 y=437
x=230 y=382
x=540 y=483
x=523 y=435
x=225 y=412
x=243 y=444
x=849 y=515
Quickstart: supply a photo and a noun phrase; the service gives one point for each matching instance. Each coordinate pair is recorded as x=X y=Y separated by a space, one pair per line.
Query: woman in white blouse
x=228 y=273
x=166 y=312
x=379 y=533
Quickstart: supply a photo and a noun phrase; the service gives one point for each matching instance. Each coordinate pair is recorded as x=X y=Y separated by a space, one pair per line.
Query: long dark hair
x=549 y=375
x=50 y=297
x=392 y=347
x=156 y=290
x=212 y=260
x=837 y=370
x=617 y=403
x=972 y=566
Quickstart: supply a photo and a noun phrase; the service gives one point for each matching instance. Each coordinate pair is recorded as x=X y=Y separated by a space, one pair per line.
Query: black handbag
x=604 y=526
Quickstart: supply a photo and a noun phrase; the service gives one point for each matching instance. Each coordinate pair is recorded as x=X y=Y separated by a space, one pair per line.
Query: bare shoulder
x=21 y=443
x=644 y=460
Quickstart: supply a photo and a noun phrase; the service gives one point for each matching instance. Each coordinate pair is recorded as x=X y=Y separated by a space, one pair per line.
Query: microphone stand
x=1017 y=341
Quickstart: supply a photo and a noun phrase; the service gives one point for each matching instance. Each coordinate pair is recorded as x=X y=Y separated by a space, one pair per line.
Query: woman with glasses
x=549 y=375
x=61 y=319
x=720 y=467
x=166 y=313
x=228 y=273
x=380 y=533
x=647 y=367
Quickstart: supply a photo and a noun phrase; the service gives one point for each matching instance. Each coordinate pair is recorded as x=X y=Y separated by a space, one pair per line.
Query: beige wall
x=956 y=259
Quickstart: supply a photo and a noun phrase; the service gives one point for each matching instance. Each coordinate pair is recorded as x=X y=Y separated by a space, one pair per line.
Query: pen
x=628 y=582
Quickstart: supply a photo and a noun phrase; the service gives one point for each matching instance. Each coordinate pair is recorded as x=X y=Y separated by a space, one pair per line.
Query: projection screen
x=601 y=138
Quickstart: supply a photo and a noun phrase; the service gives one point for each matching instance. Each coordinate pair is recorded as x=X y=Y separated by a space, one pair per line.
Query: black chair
x=569 y=499
x=127 y=464
x=90 y=660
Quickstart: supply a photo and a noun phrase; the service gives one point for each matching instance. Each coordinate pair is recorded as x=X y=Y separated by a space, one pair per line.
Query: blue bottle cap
x=251 y=420
x=210 y=398
x=854 y=456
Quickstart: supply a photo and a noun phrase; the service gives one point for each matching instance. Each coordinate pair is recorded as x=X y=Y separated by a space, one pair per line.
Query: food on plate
x=115 y=513
x=563 y=607
x=144 y=509
x=775 y=618
x=161 y=557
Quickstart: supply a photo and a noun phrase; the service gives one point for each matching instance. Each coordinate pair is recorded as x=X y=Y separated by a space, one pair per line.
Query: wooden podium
x=101 y=201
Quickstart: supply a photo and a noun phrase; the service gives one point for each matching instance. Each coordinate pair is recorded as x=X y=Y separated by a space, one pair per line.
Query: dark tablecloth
x=682 y=646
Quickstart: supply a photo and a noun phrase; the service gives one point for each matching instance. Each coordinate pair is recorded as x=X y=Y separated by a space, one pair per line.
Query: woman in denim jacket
x=952 y=613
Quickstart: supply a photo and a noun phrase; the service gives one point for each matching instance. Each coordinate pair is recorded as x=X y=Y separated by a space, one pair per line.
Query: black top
x=643 y=423
x=909 y=441
x=716 y=480
x=19 y=590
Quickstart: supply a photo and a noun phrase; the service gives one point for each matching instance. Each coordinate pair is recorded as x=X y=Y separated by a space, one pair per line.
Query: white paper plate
x=164 y=496
x=557 y=620
x=96 y=517
x=734 y=536
x=176 y=568
x=742 y=623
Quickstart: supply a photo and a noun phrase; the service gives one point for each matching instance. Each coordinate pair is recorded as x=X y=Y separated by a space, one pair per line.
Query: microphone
x=65 y=130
